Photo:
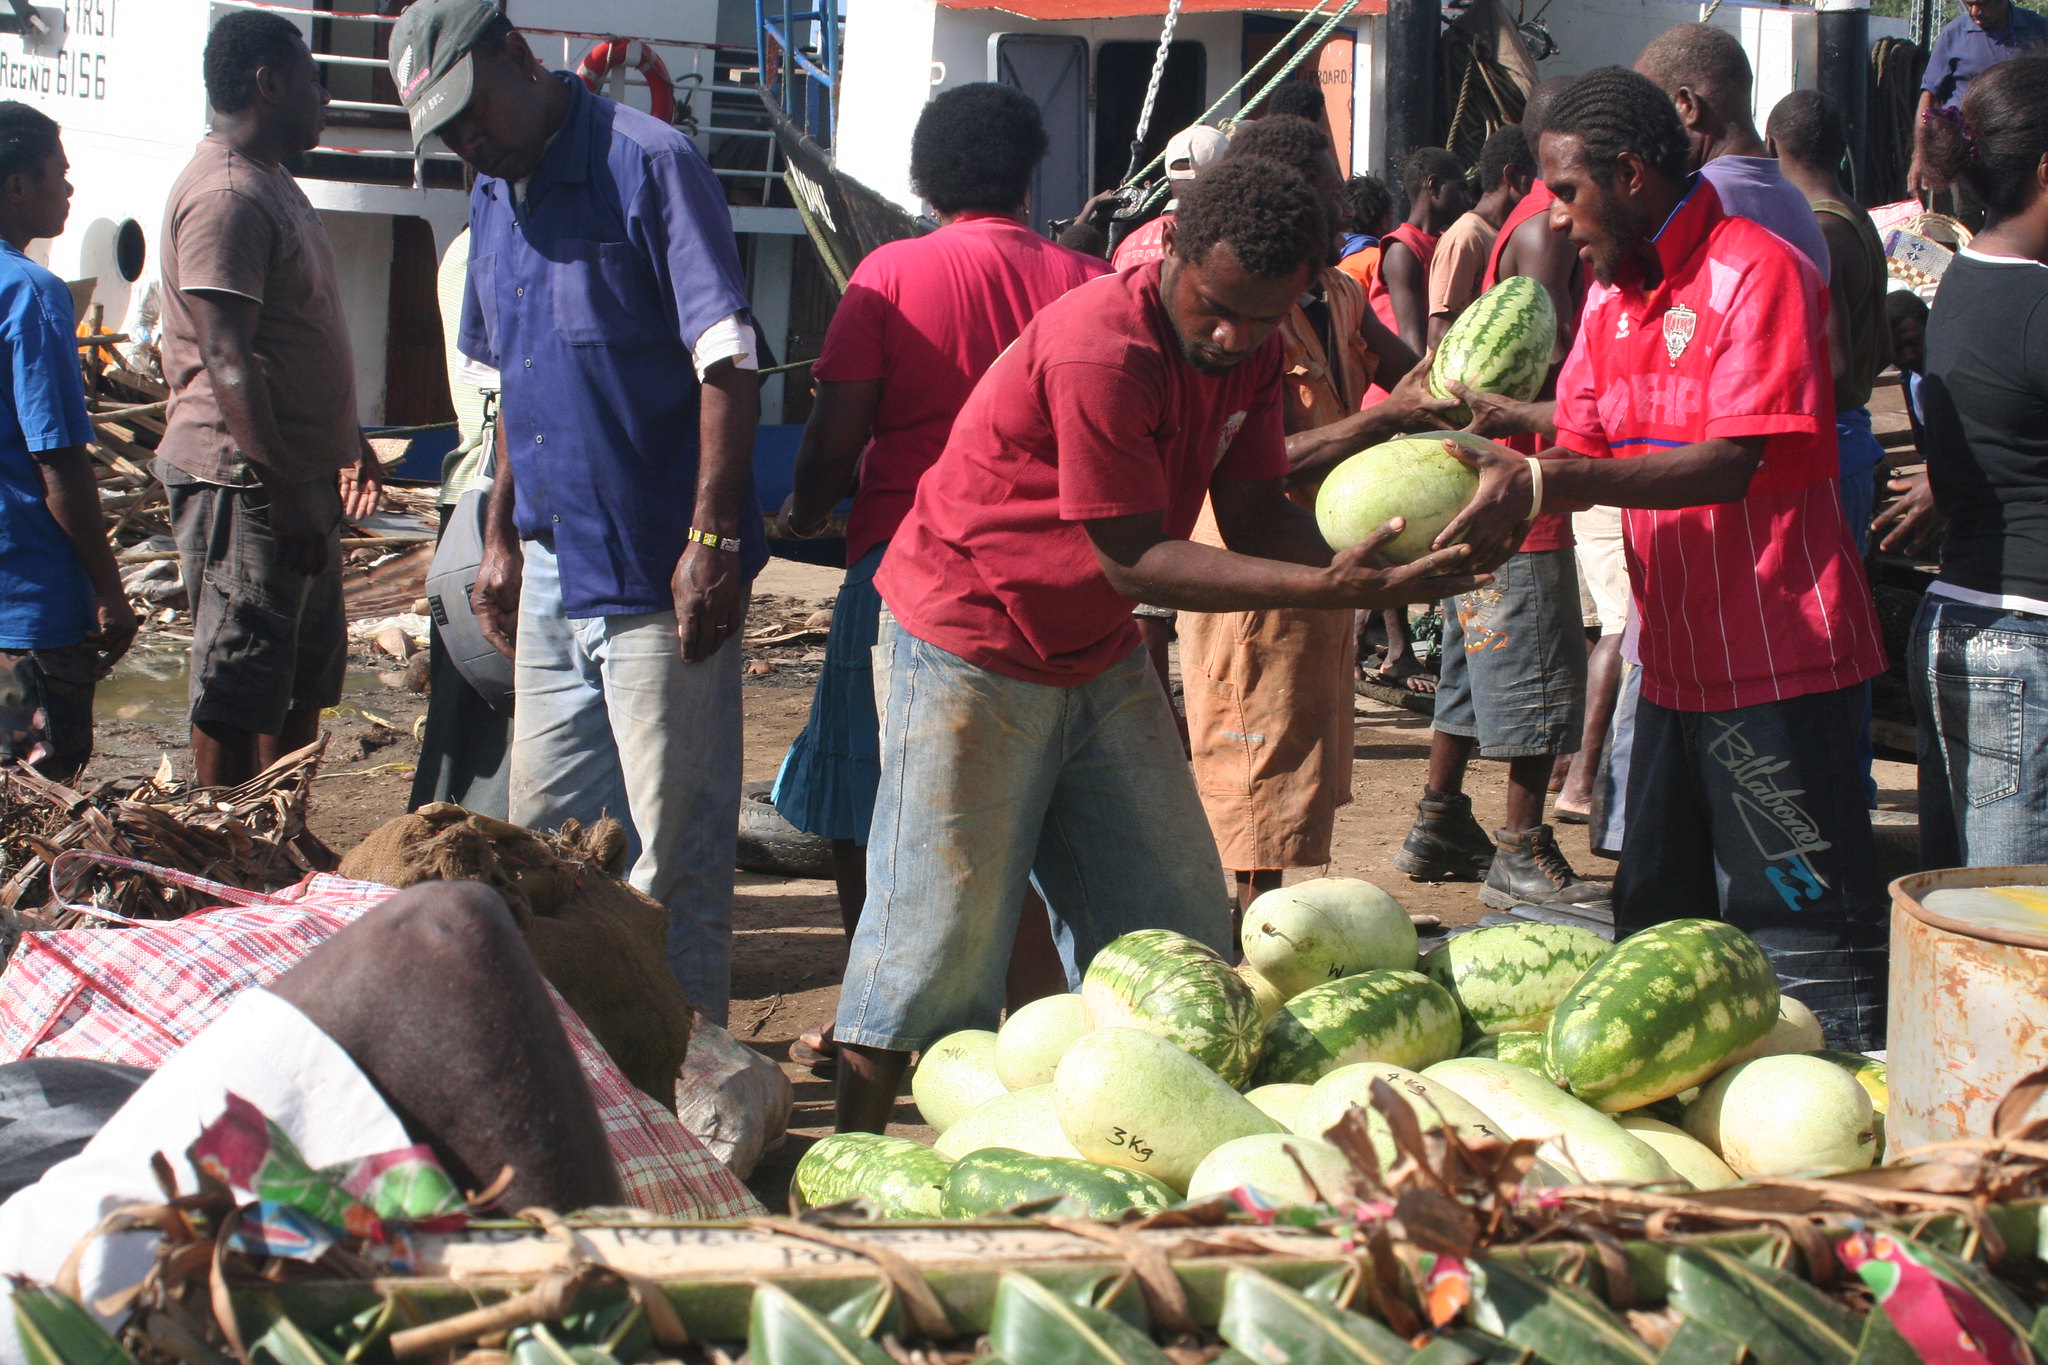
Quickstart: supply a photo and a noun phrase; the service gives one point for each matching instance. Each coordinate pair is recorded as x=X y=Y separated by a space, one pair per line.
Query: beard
x=1619 y=234
x=1208 y=363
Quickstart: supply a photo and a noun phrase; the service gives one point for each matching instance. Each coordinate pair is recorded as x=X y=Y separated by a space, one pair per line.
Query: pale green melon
x=1413 y=477
x=1026 y=1120
x=1433 y=1105
x=1282 y=1100
x=1691 y=1158
x=1266 y=1163
x=1029 y=1044
x=1129 y=1098
x=1323 y=930
x=1786 y=1115
x=955 y=1074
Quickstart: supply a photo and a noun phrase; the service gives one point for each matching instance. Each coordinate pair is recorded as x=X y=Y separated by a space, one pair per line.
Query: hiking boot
x=1530 y=869
x=1445 y=844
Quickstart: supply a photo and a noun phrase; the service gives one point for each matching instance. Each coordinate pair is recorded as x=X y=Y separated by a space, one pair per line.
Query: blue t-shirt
x=588 y=298
x=1964 y=50
x=45 y=596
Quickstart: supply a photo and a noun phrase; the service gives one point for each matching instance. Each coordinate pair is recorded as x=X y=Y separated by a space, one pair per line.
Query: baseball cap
x=430 y=61
x=1190 y=149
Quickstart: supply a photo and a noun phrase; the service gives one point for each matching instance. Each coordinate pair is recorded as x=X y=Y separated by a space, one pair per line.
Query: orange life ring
x=613 y=53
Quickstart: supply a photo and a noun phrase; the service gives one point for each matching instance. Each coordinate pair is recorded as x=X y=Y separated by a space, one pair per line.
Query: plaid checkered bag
x=136 y=994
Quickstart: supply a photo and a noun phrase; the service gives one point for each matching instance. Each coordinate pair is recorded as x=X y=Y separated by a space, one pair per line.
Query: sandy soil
x=788 y=950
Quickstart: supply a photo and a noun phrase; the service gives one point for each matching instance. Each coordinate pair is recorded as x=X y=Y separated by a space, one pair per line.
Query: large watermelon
x=1132 y=1099
x=1172 y=987
x=1660 y=1013
x=1324 y=929
x=1501 y=344
x=1385 y=1016
x=1510 y=977
x=897 y=1177
x=1786 y=1115
x=1412 y=477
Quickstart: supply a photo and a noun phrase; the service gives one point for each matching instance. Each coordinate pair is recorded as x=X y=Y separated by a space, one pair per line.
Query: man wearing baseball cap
x=1187 y=151
x=605 y=288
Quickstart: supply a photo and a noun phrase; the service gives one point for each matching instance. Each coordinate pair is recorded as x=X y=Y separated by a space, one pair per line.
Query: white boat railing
x=724 y=100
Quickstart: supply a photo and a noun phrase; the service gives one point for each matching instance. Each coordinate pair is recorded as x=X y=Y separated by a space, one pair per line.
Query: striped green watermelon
x=897 y=1177
x=1510 y=977
x=1172 y=987
x=1383 y=1016
x=1500 y=344
x=997 y=1178
x=1516 y=1047
x=1660 y=1013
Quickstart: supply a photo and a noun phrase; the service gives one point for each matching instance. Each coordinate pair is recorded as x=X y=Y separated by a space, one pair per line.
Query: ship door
x=1053 y=70
x=1122 y=71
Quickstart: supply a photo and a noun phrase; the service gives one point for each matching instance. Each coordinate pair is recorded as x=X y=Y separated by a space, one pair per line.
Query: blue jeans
x=987 y=780
x=826 y=785
x=1977 y=673
x=609 y=720
x=1514 y=671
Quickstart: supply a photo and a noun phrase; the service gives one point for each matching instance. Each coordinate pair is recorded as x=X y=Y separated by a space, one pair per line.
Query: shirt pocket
x=604 y=295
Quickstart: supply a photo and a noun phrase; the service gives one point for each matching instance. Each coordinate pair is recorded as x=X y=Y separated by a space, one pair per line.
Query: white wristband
x=1535 y=488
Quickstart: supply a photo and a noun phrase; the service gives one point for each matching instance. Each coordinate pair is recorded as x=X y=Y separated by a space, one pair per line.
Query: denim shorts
x=827 y=782
x=1983 y=756
x=1514 y=669
x=989 y=782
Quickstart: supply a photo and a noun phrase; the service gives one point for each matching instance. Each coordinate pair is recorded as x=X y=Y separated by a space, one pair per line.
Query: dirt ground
x=788 y=950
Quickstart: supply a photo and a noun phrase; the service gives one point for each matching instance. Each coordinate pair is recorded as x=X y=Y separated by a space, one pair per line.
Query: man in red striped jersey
x=1698 y=392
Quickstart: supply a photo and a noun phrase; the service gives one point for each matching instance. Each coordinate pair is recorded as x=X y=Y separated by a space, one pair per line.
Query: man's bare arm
x=495 y=595
x=1145 y=564
x=1549 y=258
x=1409 y=407
x=709 y=589
x=1408 y=286
x=72 y=495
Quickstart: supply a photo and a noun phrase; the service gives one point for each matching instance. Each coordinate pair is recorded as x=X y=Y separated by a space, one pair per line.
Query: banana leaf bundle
x=1442 y=1258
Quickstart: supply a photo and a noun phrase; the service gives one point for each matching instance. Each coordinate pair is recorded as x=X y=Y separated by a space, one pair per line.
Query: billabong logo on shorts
x=1230 y=430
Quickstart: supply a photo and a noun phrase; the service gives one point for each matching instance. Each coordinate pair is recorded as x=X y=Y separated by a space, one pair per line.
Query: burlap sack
x=600 y=942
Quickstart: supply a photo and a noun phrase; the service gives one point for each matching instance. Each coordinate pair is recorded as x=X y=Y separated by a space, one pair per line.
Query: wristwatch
x=716 y=542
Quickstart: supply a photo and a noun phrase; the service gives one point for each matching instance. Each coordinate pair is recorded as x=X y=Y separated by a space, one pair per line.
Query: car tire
x=772 y=846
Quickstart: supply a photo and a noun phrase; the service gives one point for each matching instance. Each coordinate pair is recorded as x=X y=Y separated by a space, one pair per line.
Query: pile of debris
x=252 y=837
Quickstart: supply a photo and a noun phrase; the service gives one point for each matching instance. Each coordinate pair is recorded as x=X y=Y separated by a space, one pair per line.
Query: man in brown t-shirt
x=1507 y=169
x=262 y=412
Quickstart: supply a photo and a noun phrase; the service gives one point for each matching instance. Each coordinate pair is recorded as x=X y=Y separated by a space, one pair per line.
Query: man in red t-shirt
x=1023 y=732
x=1698 y=393
x=919 y=323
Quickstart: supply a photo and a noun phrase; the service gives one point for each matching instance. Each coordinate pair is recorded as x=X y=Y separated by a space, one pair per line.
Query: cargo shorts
x=46 y=708
x=1514 y=660
x=265 y=641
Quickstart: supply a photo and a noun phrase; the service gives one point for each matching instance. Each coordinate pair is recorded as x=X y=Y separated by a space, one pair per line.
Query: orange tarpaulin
x=1119 y=9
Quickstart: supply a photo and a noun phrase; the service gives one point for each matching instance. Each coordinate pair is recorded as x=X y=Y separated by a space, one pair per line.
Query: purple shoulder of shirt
x=1752 y=187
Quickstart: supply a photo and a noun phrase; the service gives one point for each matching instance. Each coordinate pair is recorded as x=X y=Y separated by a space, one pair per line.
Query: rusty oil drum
x=1968 y=1017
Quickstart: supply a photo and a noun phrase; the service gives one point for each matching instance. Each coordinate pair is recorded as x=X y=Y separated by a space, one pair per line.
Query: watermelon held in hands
x=1413 y=477
x=1500 y=344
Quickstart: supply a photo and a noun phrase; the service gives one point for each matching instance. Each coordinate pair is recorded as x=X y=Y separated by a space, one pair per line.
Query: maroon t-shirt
x=1093 y=413
x=927 y=317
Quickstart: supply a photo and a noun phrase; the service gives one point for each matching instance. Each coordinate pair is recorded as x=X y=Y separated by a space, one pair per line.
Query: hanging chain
x=1158 y=69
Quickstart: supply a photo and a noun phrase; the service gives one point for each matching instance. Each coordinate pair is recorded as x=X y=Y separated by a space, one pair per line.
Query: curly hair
x=28 y=137
x=1293 y=99
x=1999 y=137
x=241 y=44
x=975 y=147
x=1506 y=149
x=1291 y=141
x=1612 y=110
x=1372 y=203
x=1429 y=163
x=1263 y=210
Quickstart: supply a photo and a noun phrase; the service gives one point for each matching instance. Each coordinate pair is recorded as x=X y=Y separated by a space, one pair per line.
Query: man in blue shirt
x=605 y=288
x=64 y=620
x=1986 y=33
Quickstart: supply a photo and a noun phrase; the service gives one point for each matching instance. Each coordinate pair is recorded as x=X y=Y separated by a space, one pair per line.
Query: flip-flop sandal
x=820 y=1062
x=1565 y=815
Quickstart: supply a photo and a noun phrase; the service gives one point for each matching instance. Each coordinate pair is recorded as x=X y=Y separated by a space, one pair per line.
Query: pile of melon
x=1668 y=1059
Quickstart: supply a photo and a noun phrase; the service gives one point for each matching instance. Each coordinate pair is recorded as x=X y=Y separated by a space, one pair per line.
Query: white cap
x=1190 y=149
